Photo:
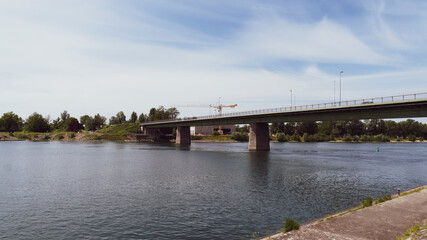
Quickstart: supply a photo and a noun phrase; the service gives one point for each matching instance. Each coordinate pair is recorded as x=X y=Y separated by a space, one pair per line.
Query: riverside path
x=387 y=220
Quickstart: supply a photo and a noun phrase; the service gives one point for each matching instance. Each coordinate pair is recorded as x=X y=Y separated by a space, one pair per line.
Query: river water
x=74 y=190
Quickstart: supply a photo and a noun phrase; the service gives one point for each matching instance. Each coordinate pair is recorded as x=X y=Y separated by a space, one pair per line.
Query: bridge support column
x=259 y=137
x=183 y=135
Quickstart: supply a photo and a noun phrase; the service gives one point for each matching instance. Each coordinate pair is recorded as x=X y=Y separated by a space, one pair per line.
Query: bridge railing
x=347 y=103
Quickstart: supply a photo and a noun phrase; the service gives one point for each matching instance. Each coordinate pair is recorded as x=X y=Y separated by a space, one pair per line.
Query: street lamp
x=334 y=93
x=291 y=98
x=340 y=86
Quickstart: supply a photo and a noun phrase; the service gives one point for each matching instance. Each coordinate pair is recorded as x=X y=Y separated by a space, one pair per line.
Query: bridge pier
x=259 y=137
x=183 y=135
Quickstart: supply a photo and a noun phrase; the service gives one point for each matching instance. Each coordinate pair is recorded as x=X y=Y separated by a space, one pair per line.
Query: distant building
x=208 y=130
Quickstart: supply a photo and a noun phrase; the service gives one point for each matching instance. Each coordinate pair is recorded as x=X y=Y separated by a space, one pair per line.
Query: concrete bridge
x=401 y=106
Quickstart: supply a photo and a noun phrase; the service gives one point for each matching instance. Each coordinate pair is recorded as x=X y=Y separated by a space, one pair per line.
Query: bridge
x=400 y=106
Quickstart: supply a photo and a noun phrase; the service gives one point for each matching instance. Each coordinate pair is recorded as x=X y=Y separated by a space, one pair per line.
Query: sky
x=90 y=57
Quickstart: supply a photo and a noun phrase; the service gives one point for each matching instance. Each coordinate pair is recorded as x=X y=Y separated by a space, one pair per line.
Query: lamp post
x=340 y=85
x=334 y=93
x=291 y=98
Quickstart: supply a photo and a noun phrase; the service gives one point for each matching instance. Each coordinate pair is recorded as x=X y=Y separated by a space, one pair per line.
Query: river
x=75 y=190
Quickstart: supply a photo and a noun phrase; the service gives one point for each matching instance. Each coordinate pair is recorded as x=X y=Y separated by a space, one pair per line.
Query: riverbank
x=103 y=136
x=386 y=220
x=64 y=136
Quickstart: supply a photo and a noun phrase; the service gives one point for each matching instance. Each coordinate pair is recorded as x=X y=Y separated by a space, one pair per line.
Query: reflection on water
x=203 y=191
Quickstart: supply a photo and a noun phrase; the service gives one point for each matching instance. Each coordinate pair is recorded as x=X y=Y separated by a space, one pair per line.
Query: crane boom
x=217 y=108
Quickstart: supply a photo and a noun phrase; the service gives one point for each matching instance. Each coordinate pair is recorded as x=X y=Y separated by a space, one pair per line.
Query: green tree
x=309 y=127
x=326 y=127
x=289 y=128
x=133 y=117
x=392 y=129
x=86 y=120
x=36 y=123
x=161 y=113
x=72 y=125
x=243 y=128
x=118 y=119
x=99 y=121
x=10 y=122
x=354 y=127
x=65 y=115
x=142 y=118
x=93 y=123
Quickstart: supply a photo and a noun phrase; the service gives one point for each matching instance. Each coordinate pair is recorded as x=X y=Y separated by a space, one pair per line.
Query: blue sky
x=91 y=57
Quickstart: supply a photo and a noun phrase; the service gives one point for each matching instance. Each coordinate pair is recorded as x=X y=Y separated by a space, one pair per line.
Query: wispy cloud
x=98 y=56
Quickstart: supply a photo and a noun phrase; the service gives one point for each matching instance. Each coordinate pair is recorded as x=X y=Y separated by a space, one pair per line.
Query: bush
x=356 y=138
x=60 y=136
x=367 y=202
x=281 y=137
x=196 y=137
x=296 y=138
x=308 y=138
x=321 y=137
x=383 y=199
x=365 y=138
x=381 y=138
x=72 y=135
x=290 y=225
x=241 y=137
x=347 y=138
x=412 y=138
x=215 y=133
x=46 y=137
x=399 y=139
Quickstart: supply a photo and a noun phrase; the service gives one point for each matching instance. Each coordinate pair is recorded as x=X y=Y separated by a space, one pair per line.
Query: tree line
x=11 y=122
x=349 y=131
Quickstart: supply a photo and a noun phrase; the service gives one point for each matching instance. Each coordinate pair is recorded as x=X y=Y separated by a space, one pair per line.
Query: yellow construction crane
x=217 y=108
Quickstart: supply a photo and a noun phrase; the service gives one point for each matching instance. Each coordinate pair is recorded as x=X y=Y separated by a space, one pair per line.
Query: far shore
x=86 y=136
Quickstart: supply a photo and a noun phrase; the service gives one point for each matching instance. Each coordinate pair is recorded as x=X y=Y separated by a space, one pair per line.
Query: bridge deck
x=401 y=109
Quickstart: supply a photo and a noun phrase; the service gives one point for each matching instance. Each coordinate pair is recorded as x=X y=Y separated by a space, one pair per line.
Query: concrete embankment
x=387 y=220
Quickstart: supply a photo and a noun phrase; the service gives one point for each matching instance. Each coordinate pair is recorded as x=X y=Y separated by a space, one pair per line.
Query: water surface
x=73 y=190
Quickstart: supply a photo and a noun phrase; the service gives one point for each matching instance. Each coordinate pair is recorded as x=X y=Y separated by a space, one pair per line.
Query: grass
x=122 y=129
x=412 y=232
x=367 y=202
x=290 y=225
x=383 y=199
x=410 y=192
x=214 y=138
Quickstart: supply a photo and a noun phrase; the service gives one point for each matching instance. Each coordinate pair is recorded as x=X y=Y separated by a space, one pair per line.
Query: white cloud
x=90 y=59
x=324 y=41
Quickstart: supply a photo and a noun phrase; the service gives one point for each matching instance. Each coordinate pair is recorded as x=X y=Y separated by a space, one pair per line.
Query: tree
x=10 y=122
x=118 y=119
x=93 y=123
x=98 y=122
x=354 y=127
x=161 y=113
x=142 y=118
x=86 y=120
x=133 y=117
x=309 y=127
x=64 y=116
x=289 y=128
x=73 y=125
x=36 y=123
x=327 y=127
